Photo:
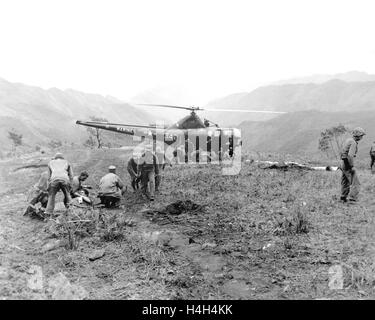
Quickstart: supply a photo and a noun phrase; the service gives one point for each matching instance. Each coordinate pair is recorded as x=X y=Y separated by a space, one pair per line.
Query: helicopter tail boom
x=106 y=126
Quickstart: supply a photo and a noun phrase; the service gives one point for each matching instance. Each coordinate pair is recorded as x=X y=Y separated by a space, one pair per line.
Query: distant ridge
x=333 y=95
x=42 y=115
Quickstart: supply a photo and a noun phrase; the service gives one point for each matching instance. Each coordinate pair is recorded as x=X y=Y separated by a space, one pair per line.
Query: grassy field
x=263 y=234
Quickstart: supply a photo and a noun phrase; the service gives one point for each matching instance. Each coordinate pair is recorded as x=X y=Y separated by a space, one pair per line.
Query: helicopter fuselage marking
x=122 y=129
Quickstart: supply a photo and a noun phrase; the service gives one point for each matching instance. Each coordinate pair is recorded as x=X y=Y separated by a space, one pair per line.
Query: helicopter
x=189 y=138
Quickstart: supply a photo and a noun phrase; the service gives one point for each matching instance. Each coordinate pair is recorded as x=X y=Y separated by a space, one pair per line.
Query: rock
x=54 y=245
x=178 y=242
x=209 y=245
x=191 y=240
x=97 y=254
x=267 y=246
x=35 y=282
x=336 y=278
x=159 y=238
x=61 y=289
x=4 y=273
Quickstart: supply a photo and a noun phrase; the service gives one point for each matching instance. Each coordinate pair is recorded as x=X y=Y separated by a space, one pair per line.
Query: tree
x=90 y=142
x=331 y=139
x=54 y=144
x=16 y=138
x=95 y=133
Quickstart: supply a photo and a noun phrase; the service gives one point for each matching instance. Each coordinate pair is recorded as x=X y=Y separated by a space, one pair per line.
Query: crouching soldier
x=77 y=184
x=60 y=175
x=78 y=190
x=40 y=195
x=133 y=171
x=148 y=168
x=349 y=180
x=111 y=189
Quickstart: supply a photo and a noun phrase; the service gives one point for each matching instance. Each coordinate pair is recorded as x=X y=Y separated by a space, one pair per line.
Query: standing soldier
x=349 y=179
x=60 y=175
x=162 y=161
x=132 y=169
x=372 y=155
x=148 y=167
x=111 y=189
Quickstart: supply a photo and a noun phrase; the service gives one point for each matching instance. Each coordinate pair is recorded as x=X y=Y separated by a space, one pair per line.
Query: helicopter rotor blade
x=243 y=110
x=164 y=106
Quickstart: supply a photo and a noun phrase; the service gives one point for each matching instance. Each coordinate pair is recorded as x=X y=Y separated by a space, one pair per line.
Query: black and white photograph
x=167 y=151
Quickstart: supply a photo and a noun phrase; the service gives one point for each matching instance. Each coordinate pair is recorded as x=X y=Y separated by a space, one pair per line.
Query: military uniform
x=132 y=169
x=372 y=155
x=76 y=186
x=148 y=166
x=110 y=190
x=40 y=194
x=60 y=175
x=350 y=184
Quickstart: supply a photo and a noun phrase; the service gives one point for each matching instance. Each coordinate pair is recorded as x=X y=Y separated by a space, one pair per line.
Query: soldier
x=163 y=161
x=60 y=175
x=132 y=169
x=148 y=168
x=76 y=186
x=40 y=194
x=78 y=192
x=372 y=155
x=349 y=179
x=111 y=189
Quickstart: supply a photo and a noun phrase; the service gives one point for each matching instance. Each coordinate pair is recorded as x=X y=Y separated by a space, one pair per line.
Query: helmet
x=59 y=155
x=111 y=168
x=358 y=132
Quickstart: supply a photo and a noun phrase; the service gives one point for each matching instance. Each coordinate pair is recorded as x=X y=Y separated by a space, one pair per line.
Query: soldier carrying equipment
x=349 y=180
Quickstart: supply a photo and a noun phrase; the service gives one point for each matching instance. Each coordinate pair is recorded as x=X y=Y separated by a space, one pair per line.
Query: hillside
x=41 y=115
x=299 y=132
x=332 y=96
x=351 y=76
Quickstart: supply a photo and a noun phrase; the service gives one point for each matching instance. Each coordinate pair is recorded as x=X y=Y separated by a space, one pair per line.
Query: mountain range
x=335 y=95
x=43 y=115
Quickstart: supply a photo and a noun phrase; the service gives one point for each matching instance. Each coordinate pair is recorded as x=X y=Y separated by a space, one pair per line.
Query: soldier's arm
x=70 y=173
x=119 y=183
x=130 y=168
x=139 y=165
x=156 y=164
x=351 y=153
x=49 y=173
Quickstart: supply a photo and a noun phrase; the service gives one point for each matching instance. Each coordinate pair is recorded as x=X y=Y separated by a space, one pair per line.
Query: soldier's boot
x=30 y=209
x=343 y=199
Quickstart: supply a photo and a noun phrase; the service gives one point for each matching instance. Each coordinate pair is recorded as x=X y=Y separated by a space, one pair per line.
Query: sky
x=206 y=48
